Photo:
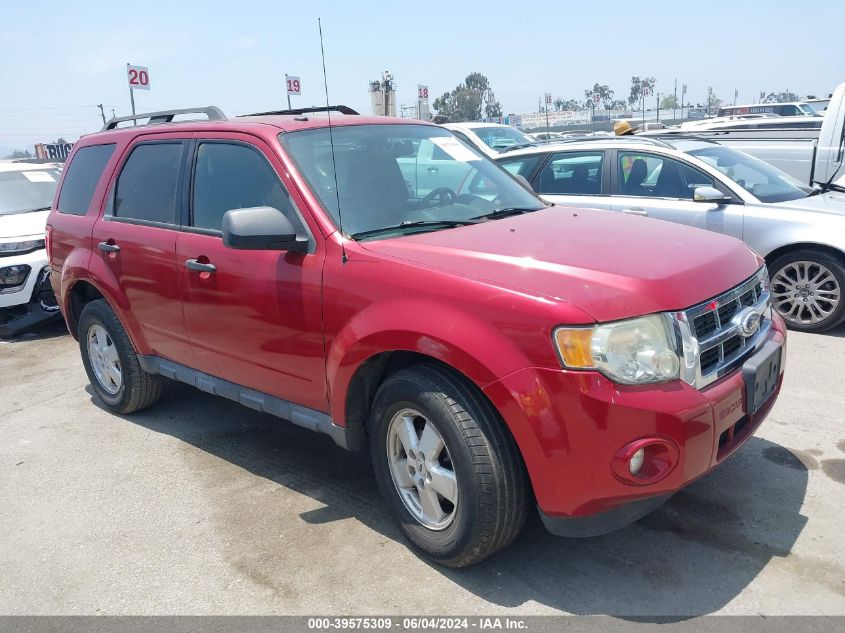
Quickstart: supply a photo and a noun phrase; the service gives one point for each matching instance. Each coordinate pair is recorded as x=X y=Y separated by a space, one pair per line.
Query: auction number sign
x=294 y=85
x=422 y=92
x=139 y=77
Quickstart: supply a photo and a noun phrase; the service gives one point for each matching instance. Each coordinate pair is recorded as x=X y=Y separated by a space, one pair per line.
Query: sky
x=59 y=59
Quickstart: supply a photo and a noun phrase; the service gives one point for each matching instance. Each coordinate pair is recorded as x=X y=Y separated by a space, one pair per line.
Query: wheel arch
x=797 y=246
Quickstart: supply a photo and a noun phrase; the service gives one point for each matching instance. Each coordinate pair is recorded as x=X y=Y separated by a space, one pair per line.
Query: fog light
x=645 y=461
x=636 y=461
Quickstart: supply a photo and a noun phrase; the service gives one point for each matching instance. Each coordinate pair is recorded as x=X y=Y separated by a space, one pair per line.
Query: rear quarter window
x=83 y=174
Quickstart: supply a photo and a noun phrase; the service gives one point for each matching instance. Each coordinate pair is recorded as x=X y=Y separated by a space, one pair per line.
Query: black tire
x=492 y=485
x=139 y=389
x=799 y=320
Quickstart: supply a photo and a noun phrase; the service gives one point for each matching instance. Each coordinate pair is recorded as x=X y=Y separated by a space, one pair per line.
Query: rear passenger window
x=146 y=187
x=233 y=176
x=572 y=173
x=83 y=174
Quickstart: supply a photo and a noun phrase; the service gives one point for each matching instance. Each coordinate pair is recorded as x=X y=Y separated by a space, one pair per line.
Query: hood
x=832 y=202
x=23 y=225
x=611 y=265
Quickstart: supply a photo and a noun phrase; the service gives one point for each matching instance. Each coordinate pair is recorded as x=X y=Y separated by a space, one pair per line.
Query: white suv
x=26 y=298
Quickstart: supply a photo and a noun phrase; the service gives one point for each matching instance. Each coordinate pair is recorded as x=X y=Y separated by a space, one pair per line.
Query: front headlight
x=8 y=248
x=636 y=351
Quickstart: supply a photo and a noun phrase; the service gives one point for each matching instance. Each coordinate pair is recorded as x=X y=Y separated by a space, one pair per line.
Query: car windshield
x=500 y=138
x=766 y=183
x=397 y=179
x=29 y=190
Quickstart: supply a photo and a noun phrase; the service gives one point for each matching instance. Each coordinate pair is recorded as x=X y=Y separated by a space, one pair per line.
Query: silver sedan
x=800 y=232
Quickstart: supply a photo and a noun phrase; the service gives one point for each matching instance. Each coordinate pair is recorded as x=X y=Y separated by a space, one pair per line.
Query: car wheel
x=806 y=287
x=111 y=362
x=446 y=466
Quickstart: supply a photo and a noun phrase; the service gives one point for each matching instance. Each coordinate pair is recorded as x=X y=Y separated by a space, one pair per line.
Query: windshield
x=404 y=177
x=767 y=183
x=23 y=191
x=500 y=138
x=807 y=109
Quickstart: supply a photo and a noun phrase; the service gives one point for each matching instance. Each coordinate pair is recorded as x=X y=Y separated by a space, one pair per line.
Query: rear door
x=255 y=319
x=136 y=239
x=658 y=186
x=575 y=178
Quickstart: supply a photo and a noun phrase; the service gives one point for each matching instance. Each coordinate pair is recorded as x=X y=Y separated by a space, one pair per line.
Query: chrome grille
x=712 y=339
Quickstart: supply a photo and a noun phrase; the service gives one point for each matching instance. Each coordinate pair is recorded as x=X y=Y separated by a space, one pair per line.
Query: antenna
x=331 y=143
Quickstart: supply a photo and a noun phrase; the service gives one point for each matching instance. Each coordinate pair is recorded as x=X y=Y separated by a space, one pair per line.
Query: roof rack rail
x=335 y=108
x=683 y=134
x=166 y=116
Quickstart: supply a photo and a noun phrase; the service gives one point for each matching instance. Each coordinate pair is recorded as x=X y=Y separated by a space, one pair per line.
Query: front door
x=256 y=319
x=657 y=186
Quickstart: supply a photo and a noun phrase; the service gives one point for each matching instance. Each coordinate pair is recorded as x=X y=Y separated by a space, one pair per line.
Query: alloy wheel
x=104 y=359
x=421 y=469
x=805 y=292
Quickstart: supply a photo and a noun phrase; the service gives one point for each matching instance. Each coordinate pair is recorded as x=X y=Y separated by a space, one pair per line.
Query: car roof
x=274 y=123
x=16 y=166
x=682 y=143
x=475 y=124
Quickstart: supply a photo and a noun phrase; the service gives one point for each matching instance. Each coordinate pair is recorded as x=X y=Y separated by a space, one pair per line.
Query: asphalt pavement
x=201 y=506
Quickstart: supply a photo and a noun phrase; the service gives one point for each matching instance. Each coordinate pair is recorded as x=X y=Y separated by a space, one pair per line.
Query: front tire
x=806 y=287
x=111 y=362
x=446 y=466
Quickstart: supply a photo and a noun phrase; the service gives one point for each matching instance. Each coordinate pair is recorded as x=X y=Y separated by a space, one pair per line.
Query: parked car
x=800 y=231
x=26 y=298
x=489 y=351
x=489 y=138
x=792 y=108
x=808 y=148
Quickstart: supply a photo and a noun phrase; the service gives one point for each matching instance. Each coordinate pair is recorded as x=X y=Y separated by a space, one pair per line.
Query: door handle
x=199 y=267
x=108 y=248
x=433 y=170
x=635 y=211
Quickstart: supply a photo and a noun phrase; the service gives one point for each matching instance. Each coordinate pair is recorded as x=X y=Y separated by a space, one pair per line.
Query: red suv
x=382 y=282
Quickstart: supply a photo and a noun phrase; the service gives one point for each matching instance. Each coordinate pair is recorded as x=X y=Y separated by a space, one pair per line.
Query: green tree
x=781 y=97
x=469 y=101
x=637 y=85
x=605 y=95
x=567 y=104
x=669 y=102
x=20 y=154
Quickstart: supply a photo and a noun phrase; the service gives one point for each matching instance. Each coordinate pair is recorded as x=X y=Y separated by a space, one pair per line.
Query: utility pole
x=736 y=94
x=675 y=100
x=102 y=114
x=709 y=98
x=683 y=92
x=113 y=115
x=131 y=96
x=657 y=94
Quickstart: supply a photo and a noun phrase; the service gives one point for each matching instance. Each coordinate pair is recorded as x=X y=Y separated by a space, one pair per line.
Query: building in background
x=383 y=95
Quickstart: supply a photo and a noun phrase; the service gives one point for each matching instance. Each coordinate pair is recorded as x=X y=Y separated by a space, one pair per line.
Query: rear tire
x=469 y=496
x=111 y=362
x=807 y=290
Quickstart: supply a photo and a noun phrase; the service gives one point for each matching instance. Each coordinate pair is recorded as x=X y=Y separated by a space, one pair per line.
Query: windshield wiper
x=410 y=224
x=38 y=209
x=505 y=212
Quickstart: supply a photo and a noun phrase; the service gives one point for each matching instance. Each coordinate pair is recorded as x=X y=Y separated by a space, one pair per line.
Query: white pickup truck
x=813 y=155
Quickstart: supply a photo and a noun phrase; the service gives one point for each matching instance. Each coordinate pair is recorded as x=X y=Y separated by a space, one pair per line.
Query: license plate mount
x=761 y=373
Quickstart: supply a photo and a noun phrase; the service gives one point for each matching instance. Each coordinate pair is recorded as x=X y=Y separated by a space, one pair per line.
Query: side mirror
x=261 y=229
x=709 y=194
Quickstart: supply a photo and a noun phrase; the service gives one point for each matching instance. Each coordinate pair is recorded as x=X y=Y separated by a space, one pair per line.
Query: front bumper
x=570 y=425
x=34 y=303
